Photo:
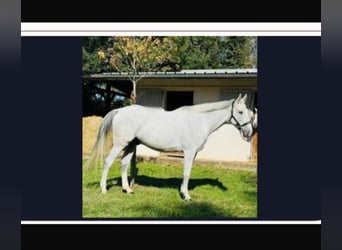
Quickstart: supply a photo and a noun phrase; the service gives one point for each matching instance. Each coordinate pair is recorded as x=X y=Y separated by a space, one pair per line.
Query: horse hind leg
x=114 y=152
x=189 y=157
x=125 y=161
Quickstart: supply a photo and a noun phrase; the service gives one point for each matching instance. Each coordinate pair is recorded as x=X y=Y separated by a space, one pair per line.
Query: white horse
x=184 y=129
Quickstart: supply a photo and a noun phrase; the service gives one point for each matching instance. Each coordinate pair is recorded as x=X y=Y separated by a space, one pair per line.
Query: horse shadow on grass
x=173 y=182
x=176 y=182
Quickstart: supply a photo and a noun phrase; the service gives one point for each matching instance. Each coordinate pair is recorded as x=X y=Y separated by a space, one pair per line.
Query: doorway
x=176 y=99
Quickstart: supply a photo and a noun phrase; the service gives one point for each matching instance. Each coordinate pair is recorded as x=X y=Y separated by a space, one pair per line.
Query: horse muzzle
x=246 y=132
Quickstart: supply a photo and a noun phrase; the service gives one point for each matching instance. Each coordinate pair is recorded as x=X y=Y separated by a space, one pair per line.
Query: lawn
x=217 y=193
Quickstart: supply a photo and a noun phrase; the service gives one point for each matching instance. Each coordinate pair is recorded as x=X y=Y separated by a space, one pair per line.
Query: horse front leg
x=189 y=157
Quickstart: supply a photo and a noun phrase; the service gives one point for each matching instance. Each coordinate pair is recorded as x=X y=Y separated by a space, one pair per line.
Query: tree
x=207 y=52
x=142 y=54
x=92 y=55
x=238 y=51
x=187 y=52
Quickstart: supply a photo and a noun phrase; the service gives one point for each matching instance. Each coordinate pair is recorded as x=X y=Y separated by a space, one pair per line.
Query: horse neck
x=217 y=119
x=207 y=107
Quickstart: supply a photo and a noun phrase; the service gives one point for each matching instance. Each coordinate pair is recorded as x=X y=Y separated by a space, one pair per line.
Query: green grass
x=217 y=193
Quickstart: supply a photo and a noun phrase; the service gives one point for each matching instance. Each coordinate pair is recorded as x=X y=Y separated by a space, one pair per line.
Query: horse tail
x=97 y=151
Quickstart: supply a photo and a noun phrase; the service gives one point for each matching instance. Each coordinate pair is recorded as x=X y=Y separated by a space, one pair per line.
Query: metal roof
x=220 y=71
x=191 y=73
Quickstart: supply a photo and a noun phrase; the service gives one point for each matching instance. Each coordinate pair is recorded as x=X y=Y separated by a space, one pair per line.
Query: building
x=171 y=90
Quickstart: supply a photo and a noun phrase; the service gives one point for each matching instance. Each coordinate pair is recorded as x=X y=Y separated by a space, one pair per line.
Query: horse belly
x=159 y=138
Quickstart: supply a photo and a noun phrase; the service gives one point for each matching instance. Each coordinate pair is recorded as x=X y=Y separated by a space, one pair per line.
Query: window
x=151 y=98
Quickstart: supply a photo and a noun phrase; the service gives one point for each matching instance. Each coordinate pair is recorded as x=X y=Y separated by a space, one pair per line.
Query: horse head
x=241 y=117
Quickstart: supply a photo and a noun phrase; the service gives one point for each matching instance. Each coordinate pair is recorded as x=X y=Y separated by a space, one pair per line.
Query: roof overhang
x=185 y=74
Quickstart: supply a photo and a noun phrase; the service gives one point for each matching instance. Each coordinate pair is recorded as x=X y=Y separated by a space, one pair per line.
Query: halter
x=238 y=125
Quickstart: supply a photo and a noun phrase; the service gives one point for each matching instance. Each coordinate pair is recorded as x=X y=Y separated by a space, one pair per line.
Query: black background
x=172 y=236
x=173 y=11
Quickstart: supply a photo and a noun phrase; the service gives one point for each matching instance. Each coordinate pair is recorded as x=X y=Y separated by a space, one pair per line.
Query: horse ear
x=244 y=98
x=238 y=98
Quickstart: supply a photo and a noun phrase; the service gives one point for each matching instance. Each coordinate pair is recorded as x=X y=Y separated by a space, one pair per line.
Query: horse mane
x=148 y=107
x=206 y=107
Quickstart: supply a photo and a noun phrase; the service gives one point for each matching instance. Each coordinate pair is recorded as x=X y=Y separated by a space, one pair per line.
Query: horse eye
x=240 y=112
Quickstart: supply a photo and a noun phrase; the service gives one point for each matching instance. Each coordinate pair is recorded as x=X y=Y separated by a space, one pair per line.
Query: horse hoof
x=127 y=191
x=187 y=198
